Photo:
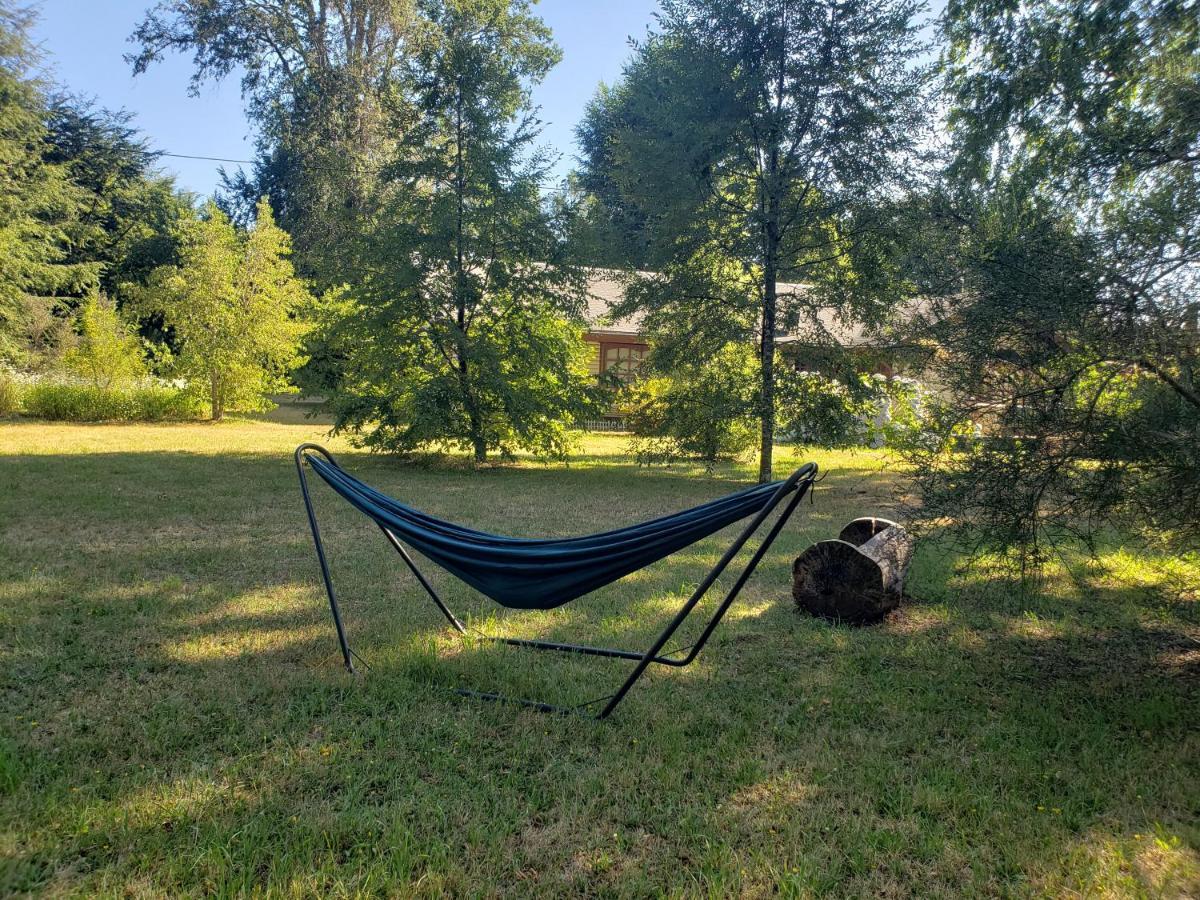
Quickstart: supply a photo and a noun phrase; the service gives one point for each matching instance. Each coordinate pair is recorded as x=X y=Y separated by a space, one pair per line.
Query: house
x=619 y=345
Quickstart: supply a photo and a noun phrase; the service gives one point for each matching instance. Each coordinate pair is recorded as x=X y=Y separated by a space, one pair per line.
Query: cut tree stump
x=858 y=578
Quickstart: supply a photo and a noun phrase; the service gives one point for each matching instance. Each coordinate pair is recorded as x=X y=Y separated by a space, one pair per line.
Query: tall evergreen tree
x=39 y=204
x=744 y=147
x=128 y=212
x=467 y=328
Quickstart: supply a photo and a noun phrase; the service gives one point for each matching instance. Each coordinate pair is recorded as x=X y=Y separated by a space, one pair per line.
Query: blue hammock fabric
x=542 y=573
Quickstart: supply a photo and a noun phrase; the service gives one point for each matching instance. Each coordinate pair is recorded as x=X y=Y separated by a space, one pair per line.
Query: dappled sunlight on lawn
x=182 y=723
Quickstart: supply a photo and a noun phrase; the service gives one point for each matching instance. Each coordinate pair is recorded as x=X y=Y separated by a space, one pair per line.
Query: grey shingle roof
x=605 y=290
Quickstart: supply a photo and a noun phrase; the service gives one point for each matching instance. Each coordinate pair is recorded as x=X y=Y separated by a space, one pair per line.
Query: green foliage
x=701 y=411
x=469 y=331
x=320 y=83
x=869 y=410
x=1072 y=95
x=10 y=393
x=129 y=214
x=233 y=305
x=72 y=402
x=1067 y=336
x=817 y=411
x=707 y=410
x=745 y=147
x=109 y=353
x=39 y=206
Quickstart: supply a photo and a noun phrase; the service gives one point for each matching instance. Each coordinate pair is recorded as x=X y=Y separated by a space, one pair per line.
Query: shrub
x=10 y=394
x=160 y=403
x=704 y=412
x=66 y=402
x=109 y=354
x=871 y=410
x=818 y=411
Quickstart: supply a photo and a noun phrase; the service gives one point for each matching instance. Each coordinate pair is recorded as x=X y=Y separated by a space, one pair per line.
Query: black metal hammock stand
x=523 y=573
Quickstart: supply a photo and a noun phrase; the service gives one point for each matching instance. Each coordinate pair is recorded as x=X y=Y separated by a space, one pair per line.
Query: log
x=858 y=578
x=862 y=530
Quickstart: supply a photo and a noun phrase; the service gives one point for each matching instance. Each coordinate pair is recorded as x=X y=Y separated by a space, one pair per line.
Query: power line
x=248 y=162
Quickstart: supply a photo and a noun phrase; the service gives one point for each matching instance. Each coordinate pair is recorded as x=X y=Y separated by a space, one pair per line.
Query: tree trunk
x=771 y=241
x=770 y=311
x=214 y=395
x=474 y=420
x=766 y=448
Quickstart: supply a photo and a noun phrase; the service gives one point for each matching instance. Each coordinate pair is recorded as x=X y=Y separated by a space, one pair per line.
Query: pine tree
x=38 y=204
x=1071 y=336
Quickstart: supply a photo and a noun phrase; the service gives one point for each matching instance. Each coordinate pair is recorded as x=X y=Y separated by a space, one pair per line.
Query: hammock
x=544 y=573
x=523 y=573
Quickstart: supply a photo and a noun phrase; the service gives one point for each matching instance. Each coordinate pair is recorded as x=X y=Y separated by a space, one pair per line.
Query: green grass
x=175 y=720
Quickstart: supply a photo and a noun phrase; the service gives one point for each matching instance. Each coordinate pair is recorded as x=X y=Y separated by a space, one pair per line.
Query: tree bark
x=766 y=448
x=216 y=409
x=474 y=420
x=478 y=444
x=857 y=579
x=771 y=241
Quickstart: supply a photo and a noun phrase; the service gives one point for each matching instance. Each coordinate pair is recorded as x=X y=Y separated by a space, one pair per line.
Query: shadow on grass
x=183 y=723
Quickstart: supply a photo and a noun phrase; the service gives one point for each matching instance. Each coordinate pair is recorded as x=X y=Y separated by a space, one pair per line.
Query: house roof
x=606 y=289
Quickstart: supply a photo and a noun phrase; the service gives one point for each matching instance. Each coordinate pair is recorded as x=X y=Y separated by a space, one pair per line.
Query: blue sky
x=84 y=41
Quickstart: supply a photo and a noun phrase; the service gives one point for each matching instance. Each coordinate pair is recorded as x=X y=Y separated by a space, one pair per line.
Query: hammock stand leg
x=653 y=655
x=801 y=480
x=320 y=545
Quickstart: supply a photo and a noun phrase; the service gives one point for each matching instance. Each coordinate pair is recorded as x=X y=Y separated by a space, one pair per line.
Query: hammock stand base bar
x=797 y=485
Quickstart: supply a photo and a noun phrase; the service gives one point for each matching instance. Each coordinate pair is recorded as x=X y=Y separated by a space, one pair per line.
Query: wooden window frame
x=606 y=345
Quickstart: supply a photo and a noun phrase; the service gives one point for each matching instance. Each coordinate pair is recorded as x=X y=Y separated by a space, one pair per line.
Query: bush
x=703 y=412
x=818 y=411
x=65 y=402
x=109 y=354
x=871 y=410
x=10 y=394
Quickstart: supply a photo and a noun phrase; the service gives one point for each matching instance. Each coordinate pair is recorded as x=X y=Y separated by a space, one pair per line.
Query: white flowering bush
x=64 y=397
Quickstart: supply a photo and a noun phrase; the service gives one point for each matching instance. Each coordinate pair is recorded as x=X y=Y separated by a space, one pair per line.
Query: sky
x=84 y=42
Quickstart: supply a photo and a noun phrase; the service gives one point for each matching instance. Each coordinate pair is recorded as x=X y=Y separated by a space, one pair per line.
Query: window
x=623 y=360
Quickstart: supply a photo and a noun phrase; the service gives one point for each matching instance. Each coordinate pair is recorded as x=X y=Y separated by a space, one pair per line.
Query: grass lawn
x=175 y=719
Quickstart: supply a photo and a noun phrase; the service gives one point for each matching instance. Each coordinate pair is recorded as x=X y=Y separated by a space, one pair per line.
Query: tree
x=467 y=330
x=109 y=354
x=317 y=77
x=128 y=212
x=38 y=205
x=1072 y=335
x=234 y=306
x=744 y=147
